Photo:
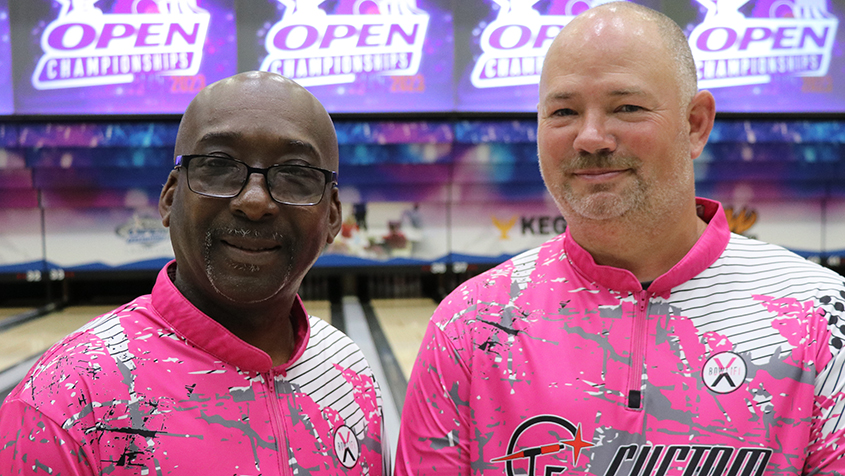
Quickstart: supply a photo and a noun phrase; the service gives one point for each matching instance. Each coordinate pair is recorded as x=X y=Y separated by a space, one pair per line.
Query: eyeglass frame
x=184 y=160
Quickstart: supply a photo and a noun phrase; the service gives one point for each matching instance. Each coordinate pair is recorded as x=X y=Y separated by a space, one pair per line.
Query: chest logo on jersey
x=724 y=372
x=541 y=442
x=346 y=446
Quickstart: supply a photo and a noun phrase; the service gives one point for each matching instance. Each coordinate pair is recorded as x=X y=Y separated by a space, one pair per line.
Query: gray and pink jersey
x=728 y=364
x=158 y=388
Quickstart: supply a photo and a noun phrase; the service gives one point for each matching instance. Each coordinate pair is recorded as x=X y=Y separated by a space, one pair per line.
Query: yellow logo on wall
x=740 y=221
x=503 y=226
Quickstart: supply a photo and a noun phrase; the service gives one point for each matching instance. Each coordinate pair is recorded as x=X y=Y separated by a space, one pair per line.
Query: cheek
x=310 y=227
x=190 y=222
x=554 y=145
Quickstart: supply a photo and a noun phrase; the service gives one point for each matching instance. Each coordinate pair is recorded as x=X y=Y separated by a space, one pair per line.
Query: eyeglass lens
x=225 y=178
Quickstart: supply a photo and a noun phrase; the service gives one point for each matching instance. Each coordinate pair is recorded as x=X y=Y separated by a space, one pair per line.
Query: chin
x=596 y=206
x=251 y=288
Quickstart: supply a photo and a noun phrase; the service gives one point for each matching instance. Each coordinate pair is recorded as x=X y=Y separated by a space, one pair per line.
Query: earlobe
x=165 y=201
x=701 y=117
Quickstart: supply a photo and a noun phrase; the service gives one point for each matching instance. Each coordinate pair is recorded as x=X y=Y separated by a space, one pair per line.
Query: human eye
x=297 y=171
x=630 y=108
x=295 y=183
x=212 y=160
x=564 y=112
x=297 y=174
x=214 y=164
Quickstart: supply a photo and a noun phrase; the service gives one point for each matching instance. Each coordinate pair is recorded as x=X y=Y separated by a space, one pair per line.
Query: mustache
x=219 y=232
x=602 y=161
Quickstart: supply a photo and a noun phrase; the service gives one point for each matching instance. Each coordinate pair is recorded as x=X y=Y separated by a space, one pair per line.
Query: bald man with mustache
x=220 y=370
x=646 y=339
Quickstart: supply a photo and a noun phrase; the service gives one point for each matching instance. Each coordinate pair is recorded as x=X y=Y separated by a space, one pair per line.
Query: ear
x=702 y=113
x=335 y=215
x=165 y=201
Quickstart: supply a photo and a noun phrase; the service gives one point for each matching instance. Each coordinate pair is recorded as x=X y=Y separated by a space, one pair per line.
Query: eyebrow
x=614 y=93
x=233 y=136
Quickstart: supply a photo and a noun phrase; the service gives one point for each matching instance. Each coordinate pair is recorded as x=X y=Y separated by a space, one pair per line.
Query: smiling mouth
x=599 y=174
x=251 y=246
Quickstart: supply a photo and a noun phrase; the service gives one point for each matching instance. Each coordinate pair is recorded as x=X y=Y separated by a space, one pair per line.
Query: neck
x=267 y=325
x=646 y=248
x=274 y=333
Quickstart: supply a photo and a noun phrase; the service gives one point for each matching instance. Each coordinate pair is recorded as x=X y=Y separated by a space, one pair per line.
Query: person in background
x=220 y=370
x=646 y=339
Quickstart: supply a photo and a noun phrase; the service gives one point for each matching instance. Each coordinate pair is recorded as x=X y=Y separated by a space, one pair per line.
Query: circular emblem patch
x=724 y=372
x=346 y=446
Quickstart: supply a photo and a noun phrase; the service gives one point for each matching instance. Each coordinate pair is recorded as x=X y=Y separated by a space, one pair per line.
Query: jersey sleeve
x=826 y=451
x=433 y=437
x=33 y=444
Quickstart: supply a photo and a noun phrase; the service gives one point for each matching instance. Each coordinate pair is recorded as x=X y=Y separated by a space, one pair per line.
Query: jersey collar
x=704 y=253
x=210 y=336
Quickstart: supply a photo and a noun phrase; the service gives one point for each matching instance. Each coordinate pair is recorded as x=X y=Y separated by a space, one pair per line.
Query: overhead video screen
x=770 y=55
x=81 y=57
x=500 y=46
x=7 y=105
x=355 y=56
x=119 y=56
x=755 y=56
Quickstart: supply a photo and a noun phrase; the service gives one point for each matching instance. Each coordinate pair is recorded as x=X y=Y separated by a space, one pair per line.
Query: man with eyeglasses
x=219 y=370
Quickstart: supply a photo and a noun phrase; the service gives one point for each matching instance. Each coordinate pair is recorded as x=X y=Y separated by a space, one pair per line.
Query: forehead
x=609 y=50
x=257 y=118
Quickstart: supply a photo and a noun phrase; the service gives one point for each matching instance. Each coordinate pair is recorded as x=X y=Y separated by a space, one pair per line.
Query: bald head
x=630 y=19
x=253 y=97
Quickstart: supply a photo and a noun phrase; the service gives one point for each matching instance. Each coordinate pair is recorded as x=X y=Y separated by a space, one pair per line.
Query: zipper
x=638 y=348
x=278 y=424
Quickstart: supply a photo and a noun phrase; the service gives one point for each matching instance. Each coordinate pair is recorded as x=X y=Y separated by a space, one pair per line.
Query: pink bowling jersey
x=728 y=364
x=158 y=388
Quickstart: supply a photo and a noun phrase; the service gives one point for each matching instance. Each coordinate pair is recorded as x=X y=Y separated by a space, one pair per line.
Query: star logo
x=577 y=444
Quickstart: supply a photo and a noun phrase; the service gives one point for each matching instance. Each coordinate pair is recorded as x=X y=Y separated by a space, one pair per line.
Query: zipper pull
x=635 y=399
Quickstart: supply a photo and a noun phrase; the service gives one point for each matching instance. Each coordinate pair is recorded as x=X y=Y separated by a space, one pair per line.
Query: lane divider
x=358 y=330
x=30 y=315
x=393 y=371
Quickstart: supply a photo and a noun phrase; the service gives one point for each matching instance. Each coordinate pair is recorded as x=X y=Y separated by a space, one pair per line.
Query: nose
x=254 y=202
x=593 y=135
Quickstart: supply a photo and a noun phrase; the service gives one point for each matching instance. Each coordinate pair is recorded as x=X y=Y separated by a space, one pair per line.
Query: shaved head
x=667 y=31
x=257 y=90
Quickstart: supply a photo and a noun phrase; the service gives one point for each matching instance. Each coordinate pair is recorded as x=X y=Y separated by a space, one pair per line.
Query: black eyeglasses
x=224 y=177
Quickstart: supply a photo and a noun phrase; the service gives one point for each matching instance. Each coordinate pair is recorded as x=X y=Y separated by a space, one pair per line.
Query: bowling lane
x=34 y=337
x=7 y=312
x=321 y=309
x=404 y=322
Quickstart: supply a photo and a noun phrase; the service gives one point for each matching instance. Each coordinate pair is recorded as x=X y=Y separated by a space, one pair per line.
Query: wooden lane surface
x=7 y=312
x=34 y=337
x=321 y=309
x=404 y=322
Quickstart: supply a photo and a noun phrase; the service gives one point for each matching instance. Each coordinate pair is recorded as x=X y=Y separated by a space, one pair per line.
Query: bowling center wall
x=434 y=103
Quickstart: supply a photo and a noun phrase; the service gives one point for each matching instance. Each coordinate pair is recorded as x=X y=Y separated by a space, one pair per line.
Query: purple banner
x=7 y=104
x=779 y=56
x=499 y=50
x=771 y=55
x=120 y=57
x=356 y=56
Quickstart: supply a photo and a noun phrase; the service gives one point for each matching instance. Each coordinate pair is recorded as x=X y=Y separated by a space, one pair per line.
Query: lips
x=599 y=174
x=251 y=245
